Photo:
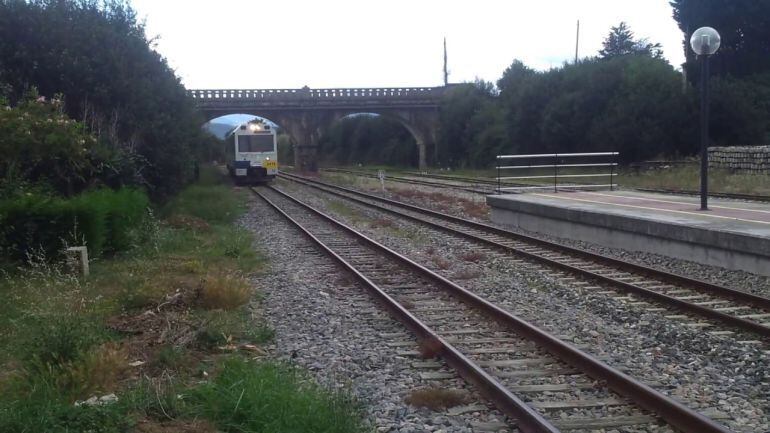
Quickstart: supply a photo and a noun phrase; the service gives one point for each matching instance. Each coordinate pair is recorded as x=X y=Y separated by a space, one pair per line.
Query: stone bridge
x=306 y=113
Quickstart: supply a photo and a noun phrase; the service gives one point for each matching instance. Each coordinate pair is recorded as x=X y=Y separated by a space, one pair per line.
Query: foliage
x=97 y=55
x=621 y=42
x=42 y=145
x=742 y=25
x=103 y=220
x=368 y=139
x=471 y=132
x=248 y=396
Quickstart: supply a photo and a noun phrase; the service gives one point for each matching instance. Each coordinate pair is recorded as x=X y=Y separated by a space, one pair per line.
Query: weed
x=220 y=327
x=60 y=339
x=248 y=396
x=406 y=303
x=429 y=348
x=473 y=256
x=171 y=357
x=467 y=274
x=381 y=222
x=188 y=222
x=437 y=398
x=224 y=291
x=441 y=263
x=98 y=370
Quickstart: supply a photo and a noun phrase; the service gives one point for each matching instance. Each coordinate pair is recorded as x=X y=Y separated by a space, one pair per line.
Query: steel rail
x=414 y=181
x=738 y=322
x=528 y=419
x=673 y=412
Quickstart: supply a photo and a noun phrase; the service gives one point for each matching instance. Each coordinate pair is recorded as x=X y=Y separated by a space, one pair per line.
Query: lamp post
x=704 y=42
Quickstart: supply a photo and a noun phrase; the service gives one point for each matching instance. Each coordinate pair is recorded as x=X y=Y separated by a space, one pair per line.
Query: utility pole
x=577 y=41
x=446 y=71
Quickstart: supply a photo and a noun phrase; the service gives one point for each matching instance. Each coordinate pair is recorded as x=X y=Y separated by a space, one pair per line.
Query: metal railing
x=555 y=162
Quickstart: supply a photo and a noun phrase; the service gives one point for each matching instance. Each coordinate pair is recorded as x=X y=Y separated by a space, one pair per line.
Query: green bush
x=123 y=212
x=104 y=220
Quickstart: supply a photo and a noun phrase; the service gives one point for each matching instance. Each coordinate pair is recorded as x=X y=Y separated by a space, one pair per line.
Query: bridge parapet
x=306 y=94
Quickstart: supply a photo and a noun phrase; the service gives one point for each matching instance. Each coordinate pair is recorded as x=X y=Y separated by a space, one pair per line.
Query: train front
x=254 y=153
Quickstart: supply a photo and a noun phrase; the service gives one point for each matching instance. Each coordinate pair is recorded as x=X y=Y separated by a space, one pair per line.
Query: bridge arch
x=305 y=113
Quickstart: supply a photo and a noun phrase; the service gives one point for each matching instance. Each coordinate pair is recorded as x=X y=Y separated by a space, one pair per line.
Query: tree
x=621 y=42
x=97 y=55
x=744 y=27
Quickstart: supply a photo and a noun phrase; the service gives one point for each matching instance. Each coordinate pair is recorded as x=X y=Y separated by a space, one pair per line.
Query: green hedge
x=104 y=220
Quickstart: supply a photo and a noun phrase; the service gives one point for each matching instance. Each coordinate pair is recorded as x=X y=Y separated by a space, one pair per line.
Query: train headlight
x=254 y=127
x=267 y=158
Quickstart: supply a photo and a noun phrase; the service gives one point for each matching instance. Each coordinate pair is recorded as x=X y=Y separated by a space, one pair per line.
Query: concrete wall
x=742 y=159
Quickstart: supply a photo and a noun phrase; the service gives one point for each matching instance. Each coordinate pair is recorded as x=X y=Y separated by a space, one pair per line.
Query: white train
x=252 y=155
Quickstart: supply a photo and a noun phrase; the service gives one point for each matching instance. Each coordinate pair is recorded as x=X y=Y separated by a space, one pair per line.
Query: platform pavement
x=731 y=234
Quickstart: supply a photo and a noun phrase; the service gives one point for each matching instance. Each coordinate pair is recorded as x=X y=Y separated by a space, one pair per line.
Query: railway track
x=474 y=183
x=541 y=382
x=704 y=305
x=466 y=188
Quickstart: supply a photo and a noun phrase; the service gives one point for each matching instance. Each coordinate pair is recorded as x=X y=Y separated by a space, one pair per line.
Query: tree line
x=94 y=60
x=627 y=98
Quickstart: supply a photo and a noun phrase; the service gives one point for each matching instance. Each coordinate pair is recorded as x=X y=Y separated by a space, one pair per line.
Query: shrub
x=123 y=211
x=104 y=220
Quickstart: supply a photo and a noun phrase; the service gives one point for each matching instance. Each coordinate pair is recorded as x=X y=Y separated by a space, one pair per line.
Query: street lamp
x=704 y=42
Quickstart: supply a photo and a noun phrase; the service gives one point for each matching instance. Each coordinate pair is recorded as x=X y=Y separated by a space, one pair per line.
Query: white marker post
x=381 y=176
x=83 y=257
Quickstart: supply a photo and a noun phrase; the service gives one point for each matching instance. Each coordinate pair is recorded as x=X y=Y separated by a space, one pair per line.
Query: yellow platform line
x=702 y=214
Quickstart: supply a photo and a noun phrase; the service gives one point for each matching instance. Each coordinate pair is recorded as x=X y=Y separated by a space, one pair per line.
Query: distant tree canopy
x=97 y=56
x=621 y=42
x=368 y=139
x=744 y=26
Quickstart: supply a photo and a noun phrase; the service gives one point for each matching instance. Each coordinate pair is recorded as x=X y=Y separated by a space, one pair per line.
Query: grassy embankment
x=685 y=177
x=166 y=327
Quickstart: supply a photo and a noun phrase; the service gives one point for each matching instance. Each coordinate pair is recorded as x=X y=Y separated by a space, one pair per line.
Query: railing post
x=612 y=168
x=555 y=172
x=498 y=175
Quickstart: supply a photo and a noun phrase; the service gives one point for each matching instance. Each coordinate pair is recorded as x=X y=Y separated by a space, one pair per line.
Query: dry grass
x=467 y=274
x=224 y=291
x=429 y=348
x=444 y=202
x=441 y=263
x=382 y=223
x=188 y=222
x=406 y=303
x=99 y=370
x=473 y=256
x=475 y=209
x=437 y=398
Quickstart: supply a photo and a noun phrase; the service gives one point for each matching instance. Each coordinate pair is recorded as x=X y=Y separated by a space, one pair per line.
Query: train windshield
x=255 y=143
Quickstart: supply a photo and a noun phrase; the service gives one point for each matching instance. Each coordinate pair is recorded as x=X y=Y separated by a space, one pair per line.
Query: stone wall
x=743 y=159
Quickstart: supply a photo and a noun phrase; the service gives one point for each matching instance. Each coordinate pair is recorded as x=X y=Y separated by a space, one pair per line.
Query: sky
x=241 y=44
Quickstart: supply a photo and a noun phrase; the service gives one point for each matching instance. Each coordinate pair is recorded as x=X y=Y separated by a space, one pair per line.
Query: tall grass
x=264 y=397
x=210 y=200
x=687 y=177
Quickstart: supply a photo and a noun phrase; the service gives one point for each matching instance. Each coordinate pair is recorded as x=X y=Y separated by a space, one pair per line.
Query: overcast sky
x=394 y=43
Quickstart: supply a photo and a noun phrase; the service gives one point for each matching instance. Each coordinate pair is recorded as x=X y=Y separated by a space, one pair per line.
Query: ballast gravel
x=327 y=324
x=739 y=280
x=713 y=374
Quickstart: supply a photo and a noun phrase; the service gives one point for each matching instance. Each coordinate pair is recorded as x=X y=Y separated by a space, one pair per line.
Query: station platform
x=731 y=234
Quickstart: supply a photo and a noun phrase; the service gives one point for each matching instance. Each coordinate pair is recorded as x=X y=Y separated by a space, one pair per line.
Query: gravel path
x=329 y=325
x=708 y=372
